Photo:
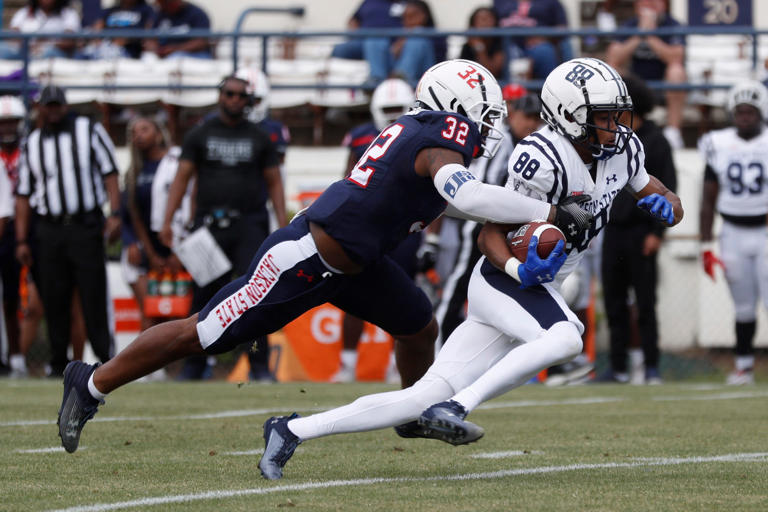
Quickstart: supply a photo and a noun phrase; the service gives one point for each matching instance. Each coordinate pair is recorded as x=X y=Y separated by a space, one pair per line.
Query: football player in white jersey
x=515 y=326
x=735 y=184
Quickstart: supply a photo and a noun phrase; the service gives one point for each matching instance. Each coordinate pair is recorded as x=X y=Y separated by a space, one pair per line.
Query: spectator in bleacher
x=411 y=56
x=488 y=51
x=654 y=58
x=124 y=15
x=545 y=53
x=152 y=169
x=40 y=17
x=631 y=244
x=178 y=17
x=67 y=172
x=371 y=14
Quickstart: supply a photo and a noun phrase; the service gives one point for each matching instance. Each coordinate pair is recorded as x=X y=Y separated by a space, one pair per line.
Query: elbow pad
x=479 y=200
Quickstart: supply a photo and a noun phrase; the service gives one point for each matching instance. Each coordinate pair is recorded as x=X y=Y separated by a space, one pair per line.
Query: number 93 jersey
x=383 y=199
x=546 y=166
x=740 y=167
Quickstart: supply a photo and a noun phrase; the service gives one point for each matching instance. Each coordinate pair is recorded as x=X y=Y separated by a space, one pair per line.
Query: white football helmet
x=750 y=92
x=258 y=88
x=467 y=88
x=12 y=108
x=576 y=89
x=391 y=99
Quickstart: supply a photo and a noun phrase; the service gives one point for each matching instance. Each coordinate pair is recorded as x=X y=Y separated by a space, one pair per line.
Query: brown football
x=547 y=233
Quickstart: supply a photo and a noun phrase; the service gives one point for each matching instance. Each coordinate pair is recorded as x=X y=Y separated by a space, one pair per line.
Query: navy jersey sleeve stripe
x=564 y=191
x=553 y=190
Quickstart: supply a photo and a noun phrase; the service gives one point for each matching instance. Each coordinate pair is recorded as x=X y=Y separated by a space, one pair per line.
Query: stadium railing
x=321 y=76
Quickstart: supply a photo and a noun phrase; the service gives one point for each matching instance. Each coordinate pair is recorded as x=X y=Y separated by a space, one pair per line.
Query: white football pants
x=744 y=254
x=500 y=346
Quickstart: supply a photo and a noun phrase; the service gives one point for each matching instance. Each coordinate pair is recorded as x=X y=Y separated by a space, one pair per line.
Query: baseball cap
x=513 y=91
x=52 y=94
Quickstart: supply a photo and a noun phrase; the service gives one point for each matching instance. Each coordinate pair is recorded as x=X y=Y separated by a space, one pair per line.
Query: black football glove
x=571 y=219
x=426 y=256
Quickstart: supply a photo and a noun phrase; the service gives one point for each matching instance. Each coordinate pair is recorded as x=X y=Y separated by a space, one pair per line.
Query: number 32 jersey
x=383 y=199
x=546 y=166
x=739 y=166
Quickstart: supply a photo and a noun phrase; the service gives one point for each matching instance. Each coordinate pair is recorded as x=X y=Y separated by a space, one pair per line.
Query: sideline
x=211 y=495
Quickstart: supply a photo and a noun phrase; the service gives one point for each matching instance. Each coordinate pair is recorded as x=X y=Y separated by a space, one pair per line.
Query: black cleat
x=445 y=421
x=279 y=444
x=410 y=430
x=77 y=405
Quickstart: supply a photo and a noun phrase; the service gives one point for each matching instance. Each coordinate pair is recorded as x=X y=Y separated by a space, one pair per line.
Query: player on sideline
x=512 y=331
x=734 y=183
x=334 y=250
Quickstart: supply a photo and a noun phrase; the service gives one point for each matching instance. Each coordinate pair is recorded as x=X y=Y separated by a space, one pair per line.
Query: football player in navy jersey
x=516 y=325
x=391 y=99
x=334 y=251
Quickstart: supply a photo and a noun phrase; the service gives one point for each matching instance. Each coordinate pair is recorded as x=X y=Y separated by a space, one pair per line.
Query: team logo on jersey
x=456 y=180
x=308 y=277
x=610 y=179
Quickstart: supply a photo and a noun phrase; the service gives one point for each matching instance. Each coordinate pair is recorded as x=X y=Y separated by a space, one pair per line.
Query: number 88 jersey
x=740 y=167
x=546 y=166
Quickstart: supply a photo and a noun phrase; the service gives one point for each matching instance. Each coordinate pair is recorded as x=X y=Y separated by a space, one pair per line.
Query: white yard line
x=223 y=494
x=51 y=449
x=731 y=395
x=503 y=455
x=246 y=452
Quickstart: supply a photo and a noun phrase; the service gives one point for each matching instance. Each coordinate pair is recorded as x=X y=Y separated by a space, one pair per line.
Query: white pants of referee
x=509 y=336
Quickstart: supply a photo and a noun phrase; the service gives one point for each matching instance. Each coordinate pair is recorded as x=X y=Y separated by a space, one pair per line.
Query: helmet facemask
x=488 y=115
x=621 y=134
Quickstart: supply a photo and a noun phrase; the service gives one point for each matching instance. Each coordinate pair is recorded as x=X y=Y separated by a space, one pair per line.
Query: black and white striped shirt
x=62 y=172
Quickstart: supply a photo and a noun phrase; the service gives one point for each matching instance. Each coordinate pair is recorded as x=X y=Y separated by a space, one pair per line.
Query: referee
x=67 y=172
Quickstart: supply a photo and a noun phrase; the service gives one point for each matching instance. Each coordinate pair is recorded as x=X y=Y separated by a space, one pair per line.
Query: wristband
x=707 y=245
x=511 y=267
x=432 y=238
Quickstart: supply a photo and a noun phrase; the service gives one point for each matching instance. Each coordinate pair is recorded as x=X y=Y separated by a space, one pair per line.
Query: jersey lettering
x=749 y=179
x=526 y=166
x=361 y=174
x=452 y=133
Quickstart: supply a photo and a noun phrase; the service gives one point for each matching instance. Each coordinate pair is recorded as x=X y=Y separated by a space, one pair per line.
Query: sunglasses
x=232 y=94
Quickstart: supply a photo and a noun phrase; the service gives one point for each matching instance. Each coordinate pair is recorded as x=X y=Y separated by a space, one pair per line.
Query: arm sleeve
x=469 y=196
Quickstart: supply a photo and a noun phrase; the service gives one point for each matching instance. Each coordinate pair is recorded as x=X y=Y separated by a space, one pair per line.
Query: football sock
x=744 y=363
x=374 y=411
x=349 y=359
x=95 y=393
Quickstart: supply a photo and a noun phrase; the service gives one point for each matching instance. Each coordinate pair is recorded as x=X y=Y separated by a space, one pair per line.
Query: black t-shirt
x=230 y=162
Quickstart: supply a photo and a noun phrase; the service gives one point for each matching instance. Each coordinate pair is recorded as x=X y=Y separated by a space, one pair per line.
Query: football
x=547 y=233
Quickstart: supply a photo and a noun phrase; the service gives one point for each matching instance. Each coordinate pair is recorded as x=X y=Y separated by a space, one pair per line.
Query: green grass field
x=172 y=446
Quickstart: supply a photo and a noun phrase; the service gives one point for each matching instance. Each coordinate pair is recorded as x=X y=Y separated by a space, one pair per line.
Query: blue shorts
x=287 y=277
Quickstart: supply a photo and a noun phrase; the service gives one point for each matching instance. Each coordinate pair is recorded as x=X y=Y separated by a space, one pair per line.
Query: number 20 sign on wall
x=720 y=12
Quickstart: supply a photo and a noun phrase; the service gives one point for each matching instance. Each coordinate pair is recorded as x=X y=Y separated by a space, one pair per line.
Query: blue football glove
x=659 y=207
x=536 y=271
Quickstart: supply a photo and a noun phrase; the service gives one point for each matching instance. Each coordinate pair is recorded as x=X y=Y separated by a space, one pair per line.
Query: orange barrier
x=309 y=348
